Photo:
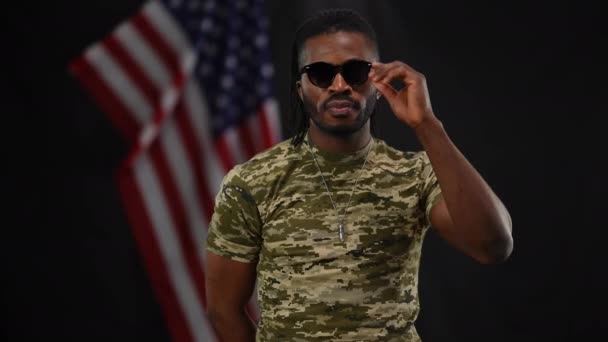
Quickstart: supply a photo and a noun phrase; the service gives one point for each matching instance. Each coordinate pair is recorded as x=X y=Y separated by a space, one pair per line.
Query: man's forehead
x=338 y=47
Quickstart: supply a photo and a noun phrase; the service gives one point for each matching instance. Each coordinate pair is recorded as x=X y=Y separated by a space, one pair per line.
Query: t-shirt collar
x=339 y=157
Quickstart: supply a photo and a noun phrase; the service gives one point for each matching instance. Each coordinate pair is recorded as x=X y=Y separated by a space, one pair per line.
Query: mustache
x=342 y=97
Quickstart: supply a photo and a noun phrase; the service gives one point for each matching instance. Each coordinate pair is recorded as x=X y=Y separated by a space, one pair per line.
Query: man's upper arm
x=235 y=230
x=440 y=217
x=433 y=203
x=232 y=245
x=229 y=283
x=437 y=213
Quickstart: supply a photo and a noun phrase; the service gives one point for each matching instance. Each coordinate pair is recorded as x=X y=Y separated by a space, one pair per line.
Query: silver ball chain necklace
x=341 y=217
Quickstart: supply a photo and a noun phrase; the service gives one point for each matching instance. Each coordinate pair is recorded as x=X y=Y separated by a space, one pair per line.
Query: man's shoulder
x=390 y=156
x=270 y=161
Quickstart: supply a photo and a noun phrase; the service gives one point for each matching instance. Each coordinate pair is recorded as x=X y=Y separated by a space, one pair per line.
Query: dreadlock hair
x=324 y=22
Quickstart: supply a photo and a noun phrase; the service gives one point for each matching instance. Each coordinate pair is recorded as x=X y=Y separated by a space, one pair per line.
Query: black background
x=519 y=88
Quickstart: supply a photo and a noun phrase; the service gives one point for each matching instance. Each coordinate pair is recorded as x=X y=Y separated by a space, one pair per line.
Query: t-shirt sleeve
x=235 y=227
x=431 y=192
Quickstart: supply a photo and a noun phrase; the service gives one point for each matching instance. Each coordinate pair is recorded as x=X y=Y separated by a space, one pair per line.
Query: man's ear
x=299 y=85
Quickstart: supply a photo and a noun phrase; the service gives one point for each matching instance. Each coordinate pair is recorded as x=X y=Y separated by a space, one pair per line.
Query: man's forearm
x=475 y=210
x=233 y=326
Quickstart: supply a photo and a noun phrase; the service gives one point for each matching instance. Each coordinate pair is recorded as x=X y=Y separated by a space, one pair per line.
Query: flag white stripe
x=146 y=176
x=172 y=34
x=181 y=169
x=122 y=87
x=170 y=136
x=198 y=113
x=271 y=111
x=175 y=38
x=180 y=278
x=158 y=212
x=154 y=68
x=144 y=55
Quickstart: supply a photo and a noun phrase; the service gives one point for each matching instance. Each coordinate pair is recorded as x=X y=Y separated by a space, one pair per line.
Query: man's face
x=341 y=108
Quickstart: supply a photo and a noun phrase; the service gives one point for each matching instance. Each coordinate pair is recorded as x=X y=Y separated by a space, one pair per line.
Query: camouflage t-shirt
x=274 y=210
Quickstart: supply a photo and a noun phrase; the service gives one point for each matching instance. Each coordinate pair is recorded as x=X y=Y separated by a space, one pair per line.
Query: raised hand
x=411 y=104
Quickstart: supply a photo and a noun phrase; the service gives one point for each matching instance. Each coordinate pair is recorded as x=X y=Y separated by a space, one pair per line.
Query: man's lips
x=339 y=106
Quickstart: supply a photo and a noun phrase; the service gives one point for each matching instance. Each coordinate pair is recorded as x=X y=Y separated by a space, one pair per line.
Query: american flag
x=189 y=85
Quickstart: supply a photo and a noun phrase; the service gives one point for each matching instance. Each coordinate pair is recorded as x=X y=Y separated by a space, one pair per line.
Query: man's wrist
x=428 y=128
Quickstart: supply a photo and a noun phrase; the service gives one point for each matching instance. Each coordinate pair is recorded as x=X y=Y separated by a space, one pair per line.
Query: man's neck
x=328 y=142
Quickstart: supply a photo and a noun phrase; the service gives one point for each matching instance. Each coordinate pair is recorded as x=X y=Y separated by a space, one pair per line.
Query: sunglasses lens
x=356 y=72
x=321 y=74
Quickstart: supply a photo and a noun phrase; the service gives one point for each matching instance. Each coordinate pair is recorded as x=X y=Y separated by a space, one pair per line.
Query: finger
x=400 y=63
x=378 y=66
x=409 y=78
x=405 y=71
x=381 y=66
x=386 y=90
x=398 y=72
x=391 y=71
x=379 y=69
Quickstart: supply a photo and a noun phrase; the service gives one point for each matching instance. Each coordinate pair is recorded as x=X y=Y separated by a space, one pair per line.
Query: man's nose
x=339 y=84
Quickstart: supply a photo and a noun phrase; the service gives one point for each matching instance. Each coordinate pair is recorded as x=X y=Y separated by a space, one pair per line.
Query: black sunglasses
x=322 y=74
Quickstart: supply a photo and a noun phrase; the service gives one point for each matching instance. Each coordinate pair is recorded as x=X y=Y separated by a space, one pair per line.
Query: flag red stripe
x=246 y=140
x=153 y=259
x=143 y=83
x=105 y=98
x=181 y=310
x=151 y=92
x=178 y=214
x=165 y=52
x=265 y=126
x=132 y=69
x=223 y=152
x=196 y=157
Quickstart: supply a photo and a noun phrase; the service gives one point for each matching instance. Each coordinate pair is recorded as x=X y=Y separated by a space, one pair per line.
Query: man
x=331 y=223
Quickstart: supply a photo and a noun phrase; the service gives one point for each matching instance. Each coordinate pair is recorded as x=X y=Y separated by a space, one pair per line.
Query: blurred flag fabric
x=189 y=86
